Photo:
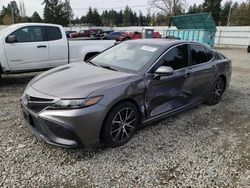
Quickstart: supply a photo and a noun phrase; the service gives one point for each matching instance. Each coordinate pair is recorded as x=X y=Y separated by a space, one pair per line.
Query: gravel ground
x=207 y=146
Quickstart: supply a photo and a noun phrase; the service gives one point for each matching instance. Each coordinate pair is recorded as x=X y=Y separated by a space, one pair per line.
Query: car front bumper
x=66 y=128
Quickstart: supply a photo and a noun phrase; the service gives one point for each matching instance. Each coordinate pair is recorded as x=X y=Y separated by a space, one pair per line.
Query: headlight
x=76 y=103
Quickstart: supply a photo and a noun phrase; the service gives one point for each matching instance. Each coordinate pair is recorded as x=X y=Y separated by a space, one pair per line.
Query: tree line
x=60 y=12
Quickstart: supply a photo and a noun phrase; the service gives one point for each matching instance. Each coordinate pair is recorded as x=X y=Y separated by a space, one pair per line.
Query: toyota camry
x=129 y=85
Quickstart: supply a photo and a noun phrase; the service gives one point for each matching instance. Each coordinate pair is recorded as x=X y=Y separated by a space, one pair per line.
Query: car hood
x=76 y=80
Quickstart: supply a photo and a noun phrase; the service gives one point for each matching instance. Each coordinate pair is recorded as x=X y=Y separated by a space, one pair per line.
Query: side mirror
x=11 y=39
x=164 y=71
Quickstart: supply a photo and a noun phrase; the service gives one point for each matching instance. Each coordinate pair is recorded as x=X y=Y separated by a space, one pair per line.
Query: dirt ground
x=208 y=146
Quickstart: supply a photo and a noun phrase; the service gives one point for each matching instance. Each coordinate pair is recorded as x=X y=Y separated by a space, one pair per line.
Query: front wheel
x=120 y=124
x=216 y=92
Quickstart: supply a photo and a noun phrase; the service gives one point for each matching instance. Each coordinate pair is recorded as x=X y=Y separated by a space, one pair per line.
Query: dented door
x=166 y=93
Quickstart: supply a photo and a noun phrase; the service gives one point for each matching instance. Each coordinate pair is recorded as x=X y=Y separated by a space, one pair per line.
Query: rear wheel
x=217 y=92
x=120 y=124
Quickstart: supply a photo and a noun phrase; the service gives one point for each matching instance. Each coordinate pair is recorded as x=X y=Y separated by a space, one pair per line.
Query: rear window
x=53 y=33
x=198 y=54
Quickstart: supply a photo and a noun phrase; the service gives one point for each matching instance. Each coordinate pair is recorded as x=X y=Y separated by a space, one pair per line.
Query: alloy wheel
x=218 y=90
x=123 y=125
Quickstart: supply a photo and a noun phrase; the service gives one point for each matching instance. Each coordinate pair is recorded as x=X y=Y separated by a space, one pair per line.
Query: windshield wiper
x=90 y=62
x=108 y=67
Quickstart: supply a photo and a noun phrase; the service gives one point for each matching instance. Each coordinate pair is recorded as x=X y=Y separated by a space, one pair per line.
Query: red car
x=157 y=35
x=136 y=35
x=87 y=33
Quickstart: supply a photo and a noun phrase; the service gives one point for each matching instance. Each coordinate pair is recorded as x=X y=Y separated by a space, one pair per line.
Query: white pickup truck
x=37 y=46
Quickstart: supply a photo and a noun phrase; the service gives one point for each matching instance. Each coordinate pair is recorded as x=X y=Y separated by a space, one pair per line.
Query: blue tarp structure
x=194 y=27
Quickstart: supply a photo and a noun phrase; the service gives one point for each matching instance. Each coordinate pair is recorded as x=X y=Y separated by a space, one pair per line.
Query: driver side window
x=29 y=34
x=177 y=58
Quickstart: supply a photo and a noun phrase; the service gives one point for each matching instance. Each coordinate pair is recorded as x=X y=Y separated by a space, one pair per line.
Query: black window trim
x=43 y=31
x=211 y=53
x=164 y=53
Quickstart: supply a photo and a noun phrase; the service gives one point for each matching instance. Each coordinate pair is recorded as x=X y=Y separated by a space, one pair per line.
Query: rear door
x=202 y=70
x=168 y=93
x=58 y=46
x=30 y=52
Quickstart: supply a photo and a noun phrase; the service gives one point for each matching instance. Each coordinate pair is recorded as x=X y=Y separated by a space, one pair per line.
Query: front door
x=167 y=93
x=30 y=52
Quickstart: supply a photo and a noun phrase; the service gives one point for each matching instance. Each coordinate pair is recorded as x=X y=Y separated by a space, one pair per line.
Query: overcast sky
x=80 y=6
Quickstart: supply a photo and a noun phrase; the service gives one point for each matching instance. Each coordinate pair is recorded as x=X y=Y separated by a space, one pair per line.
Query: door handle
x=42 y=46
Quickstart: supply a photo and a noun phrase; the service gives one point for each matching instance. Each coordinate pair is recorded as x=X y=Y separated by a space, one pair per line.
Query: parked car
x=31 y=47
x=115 y=35
x=105 y=34
x=81 y=33
x=156 y=34
x=88 y=33
x=130 y=35
x=136 y=35
x=134 y=83
x=248 y=49
x=69 y=33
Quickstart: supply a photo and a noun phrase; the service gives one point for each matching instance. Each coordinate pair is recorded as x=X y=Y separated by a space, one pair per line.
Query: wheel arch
x=224 y=79
x=130 y=100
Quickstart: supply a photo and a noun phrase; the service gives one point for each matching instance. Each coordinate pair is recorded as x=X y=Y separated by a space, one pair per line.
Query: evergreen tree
x=57 y=12
x=120 y=18
x=141 y=19
x=89 y=16
x=83 y=20
x=213 y=6
x=127 y=16
x=96 y=18
x=225 y=12
x=36 y=18
x=195 y=9
x=241 y=14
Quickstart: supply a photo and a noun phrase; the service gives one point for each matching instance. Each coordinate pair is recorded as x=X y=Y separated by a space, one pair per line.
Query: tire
x=120 y=124
x=217 y=92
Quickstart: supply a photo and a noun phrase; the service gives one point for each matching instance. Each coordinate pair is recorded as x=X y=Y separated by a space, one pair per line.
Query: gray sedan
x=134 y=83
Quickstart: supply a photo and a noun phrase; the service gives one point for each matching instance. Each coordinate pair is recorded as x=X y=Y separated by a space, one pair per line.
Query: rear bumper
x=66 y=128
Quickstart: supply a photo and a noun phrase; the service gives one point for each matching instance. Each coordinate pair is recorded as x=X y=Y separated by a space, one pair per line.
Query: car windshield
x=126 y=56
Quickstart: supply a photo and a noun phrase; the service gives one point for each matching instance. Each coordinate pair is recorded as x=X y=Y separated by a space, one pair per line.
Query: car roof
x=36 y=24
x=162 y=42
x=157 y=42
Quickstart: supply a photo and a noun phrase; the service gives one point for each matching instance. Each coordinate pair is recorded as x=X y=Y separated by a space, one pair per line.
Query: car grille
x=35 y=99
x=37 y=104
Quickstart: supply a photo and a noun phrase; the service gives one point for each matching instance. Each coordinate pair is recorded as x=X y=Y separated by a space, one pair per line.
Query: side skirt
x=170 y=113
